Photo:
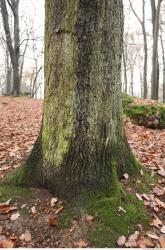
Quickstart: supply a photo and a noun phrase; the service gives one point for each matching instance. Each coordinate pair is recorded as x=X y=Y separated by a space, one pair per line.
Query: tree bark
x=82 y=144
x=155 y=63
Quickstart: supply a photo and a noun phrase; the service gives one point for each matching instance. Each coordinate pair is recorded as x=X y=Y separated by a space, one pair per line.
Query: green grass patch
x=111 y=222
x=11 y=192
x=66 y=218
x=126 y=100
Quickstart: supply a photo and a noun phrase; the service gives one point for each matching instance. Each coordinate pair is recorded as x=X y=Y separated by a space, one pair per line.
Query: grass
x=66 y=218
x=12 y=192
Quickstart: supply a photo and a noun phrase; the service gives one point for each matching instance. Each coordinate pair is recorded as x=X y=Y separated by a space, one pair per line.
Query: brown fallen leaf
x=26 y=236
x=7 y=244
x=81 y=244
x=159 y=202
x=59 y=210
x=161 y=172
x=162 y=241
x=132 y=240
x=156 y=222
x=145 y=196
x=5 y=209
x=121 y=241
x=152 y=235
x=53 y=221
x=145 y=242
x=89 y=218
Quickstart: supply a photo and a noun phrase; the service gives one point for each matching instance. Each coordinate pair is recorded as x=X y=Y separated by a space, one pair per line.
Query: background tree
x=142 y=23
x=155 y=63
x=14 y=48
x=82 y=144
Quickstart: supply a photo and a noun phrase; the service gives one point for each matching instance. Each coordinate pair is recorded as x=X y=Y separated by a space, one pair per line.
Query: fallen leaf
x=7 y=244
x=26 y=236
x=162 y=230
x=59 y=210
x=81 y=244
x=15 y=216
x=161 y=172
x=160 y=203
x=5 y=209
x=89 y=218
x=53 y=221
x=8 y=202
x=145 y=196
x=162 y=241
x=132 y=240
x=126 y=176
x=121 y=241
x=33 y=210
x=24 y=205
x=144 y=242
x=53 y=202
x=152 y=235
x=139 y=196
x=156 y=222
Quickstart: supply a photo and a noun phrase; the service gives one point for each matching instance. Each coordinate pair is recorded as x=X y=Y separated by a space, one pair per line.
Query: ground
x=35 y=218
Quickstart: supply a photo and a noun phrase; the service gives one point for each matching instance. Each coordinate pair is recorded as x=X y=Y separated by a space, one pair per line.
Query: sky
x=34 y=11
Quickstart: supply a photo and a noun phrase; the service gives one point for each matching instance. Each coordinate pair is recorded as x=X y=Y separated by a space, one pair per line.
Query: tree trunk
x=145 y=87
x=82 y=145
x=125 y=72
x=142 y=23
x=155 y=64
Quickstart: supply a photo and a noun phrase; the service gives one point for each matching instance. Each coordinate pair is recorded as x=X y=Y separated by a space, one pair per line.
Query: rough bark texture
x=82 y=144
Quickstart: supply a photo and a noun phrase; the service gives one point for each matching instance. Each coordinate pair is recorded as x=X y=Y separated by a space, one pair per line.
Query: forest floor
x=35 y=218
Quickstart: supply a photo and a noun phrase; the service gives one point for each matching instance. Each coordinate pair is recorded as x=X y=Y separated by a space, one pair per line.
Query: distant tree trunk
x=155 y=63
x=13 y=49
x=142 y=23
x=131 y=82
x=163 y=60
x=8 y=74
x=125 y=72
x=82 y=145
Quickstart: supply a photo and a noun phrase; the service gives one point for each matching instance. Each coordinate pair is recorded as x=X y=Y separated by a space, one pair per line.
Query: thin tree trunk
x=155 y=64
x=163 y=60
x=142 y=23
x=125 y=72
x=13 y=49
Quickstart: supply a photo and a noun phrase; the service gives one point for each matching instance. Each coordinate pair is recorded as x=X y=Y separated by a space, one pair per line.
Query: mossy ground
x=141 y=113
x=113 y=222
x=12 y=192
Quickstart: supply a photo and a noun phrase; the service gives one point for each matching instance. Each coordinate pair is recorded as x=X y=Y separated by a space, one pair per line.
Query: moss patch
x=11 y=192
x=152 y=116
x=66 y=218
x=111 y=222
x=143 y=184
